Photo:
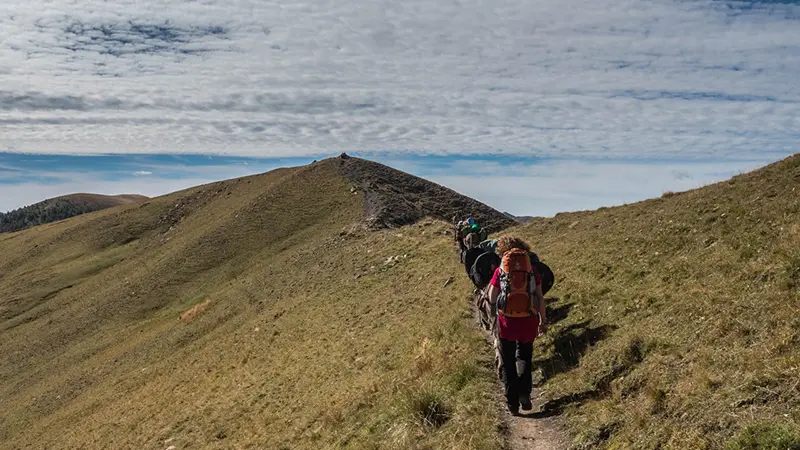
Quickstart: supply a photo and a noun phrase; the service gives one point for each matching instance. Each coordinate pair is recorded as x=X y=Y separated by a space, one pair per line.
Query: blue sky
x=583 y=103
x=520 y=185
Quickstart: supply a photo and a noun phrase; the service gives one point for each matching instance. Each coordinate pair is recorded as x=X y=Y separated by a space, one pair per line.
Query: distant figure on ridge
x=516 y=292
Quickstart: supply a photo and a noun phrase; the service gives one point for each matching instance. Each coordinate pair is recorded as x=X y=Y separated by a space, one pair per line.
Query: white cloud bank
x=547 y=189
x=23 y=194
x=35 y=186
x=572 y=78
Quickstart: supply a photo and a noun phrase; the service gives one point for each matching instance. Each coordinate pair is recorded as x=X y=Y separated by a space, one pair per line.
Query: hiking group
x=510 y=283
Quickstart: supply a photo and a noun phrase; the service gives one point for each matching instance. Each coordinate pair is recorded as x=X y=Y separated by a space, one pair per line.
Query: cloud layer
x=679 y=80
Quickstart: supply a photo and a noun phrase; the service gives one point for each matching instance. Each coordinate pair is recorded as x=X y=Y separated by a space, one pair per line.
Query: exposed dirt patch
x=195 y=311
x=536 y=431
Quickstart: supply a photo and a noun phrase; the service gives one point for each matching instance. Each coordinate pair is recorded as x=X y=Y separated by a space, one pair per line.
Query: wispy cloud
x=142 y=173
x=575 y=79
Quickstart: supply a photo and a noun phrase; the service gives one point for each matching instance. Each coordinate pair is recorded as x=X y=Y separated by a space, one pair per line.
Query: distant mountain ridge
x=522 y=219
x=60 y=208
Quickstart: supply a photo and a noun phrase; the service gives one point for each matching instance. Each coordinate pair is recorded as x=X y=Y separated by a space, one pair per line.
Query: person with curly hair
x=516 y=293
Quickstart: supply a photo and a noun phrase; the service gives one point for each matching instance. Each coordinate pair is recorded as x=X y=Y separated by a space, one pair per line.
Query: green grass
x=765 y=437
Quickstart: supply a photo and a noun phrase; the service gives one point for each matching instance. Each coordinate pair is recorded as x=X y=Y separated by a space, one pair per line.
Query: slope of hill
x=258 y=312
x=681 y=323
x=60 y=208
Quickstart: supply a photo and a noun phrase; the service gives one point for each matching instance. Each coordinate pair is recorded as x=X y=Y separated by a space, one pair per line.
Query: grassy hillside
x=60 y=208
x=680 y=317
x=256 y=312
x=267 y=312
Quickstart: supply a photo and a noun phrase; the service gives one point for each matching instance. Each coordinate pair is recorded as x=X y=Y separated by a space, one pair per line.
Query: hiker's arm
x=542 y=308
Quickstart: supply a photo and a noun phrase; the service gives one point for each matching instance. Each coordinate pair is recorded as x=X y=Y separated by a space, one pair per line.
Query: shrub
x=428 y=408
x=765 y=437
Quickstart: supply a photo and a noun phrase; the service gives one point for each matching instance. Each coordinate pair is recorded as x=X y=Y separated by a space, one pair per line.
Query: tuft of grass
x=765 y=437
x=428 y=407
x=656 y=399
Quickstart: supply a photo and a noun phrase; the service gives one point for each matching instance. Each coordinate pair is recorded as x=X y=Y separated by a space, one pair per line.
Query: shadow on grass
x=556 y=406
x=557 y=314
x=569 y=344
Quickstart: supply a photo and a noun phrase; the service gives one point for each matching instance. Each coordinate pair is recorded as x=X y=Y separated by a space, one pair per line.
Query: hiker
x=516 y=293
x=480 y=233
x=460 y=232
x=467 y=234
x=458 y=239
x=471 y=241
x=473 y=235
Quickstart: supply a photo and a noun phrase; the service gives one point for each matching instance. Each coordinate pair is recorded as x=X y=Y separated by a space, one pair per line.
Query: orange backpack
x=516 y=280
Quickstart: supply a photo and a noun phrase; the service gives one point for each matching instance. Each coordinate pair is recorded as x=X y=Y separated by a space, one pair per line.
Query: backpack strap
x=535 y=300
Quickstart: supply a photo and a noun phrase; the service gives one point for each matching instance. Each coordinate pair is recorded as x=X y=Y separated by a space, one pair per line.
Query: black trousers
x=516 y=369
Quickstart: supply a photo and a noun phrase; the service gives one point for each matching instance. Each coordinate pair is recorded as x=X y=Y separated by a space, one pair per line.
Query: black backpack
x=548 y=279
x=470 y=256
x=483 y=269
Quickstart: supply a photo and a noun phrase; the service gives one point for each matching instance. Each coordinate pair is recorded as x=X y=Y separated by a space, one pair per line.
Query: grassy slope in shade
x=60 y=208
x=307 y=335
x=682 y=326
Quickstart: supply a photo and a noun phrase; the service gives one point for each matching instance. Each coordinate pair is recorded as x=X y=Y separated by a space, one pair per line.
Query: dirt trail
x=534 y=430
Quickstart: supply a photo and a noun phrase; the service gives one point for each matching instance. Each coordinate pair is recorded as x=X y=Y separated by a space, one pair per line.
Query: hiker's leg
x=498 y=353
x=487 y=316
x=510 y=378
x=524 y=356
x=483 y=310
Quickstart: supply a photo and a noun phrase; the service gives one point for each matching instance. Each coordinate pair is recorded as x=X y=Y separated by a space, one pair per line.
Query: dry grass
x=676 y=327
x=680 y=324
x=307 y=338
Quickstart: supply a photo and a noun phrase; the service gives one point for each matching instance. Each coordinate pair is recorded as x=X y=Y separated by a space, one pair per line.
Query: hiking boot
x=525 y=402
x=513 y=409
